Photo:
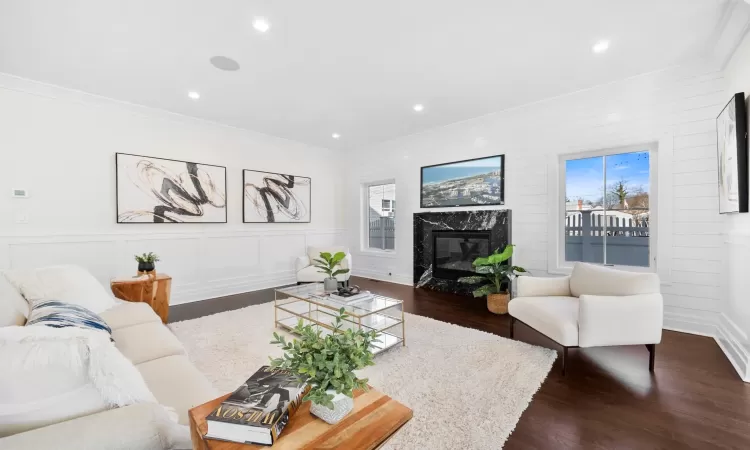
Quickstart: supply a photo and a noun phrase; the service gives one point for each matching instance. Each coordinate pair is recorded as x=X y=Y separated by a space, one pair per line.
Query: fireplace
x=446 y=243
x=454 y=251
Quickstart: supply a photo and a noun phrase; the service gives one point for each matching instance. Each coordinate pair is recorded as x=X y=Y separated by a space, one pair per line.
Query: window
x=380 y=212
x=607 y=207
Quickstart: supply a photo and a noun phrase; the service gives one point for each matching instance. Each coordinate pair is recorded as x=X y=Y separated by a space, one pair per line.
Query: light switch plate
x=19 y=193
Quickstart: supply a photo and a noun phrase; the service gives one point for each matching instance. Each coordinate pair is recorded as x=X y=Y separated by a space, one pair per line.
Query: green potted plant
x=327 y=363
x=146 y=262
x=497 y=274
x=329 y=265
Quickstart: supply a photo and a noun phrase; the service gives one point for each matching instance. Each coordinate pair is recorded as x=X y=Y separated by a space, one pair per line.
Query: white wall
x=675 y=107
x=60 y=145
x=736 y=307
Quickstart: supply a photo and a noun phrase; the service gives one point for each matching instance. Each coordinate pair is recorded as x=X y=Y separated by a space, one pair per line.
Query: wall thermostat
x=20 y=193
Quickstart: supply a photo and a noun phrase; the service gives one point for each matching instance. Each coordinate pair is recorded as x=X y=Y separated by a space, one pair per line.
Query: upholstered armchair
x=595 y=306
x=308 y=273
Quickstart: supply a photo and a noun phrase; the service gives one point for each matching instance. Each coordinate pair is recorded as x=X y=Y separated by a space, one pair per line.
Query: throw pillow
x=60 y=315
x=70 y=284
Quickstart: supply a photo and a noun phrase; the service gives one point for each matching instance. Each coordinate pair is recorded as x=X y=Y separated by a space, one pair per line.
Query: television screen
x=473 y=182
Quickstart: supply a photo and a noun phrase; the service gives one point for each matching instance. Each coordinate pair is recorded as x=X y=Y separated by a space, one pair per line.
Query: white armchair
x=595 y=306
x=307 y=273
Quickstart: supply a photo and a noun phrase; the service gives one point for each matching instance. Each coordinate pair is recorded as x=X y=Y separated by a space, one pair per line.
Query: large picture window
x=608 y=201
x=380 y=212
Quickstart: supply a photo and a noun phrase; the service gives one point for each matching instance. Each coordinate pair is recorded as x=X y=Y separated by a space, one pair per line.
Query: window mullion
x=604 y=209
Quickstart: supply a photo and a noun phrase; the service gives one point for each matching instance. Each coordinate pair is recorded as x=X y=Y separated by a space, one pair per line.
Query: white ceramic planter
x=342 y=405
x=330 y=285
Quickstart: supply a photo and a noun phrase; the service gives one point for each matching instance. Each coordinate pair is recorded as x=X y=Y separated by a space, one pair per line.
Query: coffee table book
x=258 y=411
x=374 y=419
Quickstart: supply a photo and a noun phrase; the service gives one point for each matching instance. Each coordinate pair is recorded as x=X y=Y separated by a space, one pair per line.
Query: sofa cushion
x=13 y=307
x=127 y=314
x=176 y=383
x=70 y=284
x=528 y=286
x=314 y=252
x=146 y=342
x=593 y=279
x=555 y=317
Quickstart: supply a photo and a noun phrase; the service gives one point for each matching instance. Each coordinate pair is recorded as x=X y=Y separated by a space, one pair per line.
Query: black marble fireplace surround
x=460 y=237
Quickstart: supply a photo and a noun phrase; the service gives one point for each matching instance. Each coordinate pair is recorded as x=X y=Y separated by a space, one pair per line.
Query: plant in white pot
x=331 y=266
x=327 y=363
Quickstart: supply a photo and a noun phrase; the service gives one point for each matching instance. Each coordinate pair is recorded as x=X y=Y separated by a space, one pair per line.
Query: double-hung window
x=380 y=216
x=608 y=202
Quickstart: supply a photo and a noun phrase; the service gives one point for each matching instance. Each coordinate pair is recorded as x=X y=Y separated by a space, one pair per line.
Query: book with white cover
x=365 y=295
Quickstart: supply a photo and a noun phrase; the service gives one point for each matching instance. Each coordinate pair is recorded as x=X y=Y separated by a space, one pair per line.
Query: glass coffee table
x=310 y=303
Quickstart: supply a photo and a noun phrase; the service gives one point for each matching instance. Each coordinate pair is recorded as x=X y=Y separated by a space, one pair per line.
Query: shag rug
x=467 y=388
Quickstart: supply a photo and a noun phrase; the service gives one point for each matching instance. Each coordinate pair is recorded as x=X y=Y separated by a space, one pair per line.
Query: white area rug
x=467 y=388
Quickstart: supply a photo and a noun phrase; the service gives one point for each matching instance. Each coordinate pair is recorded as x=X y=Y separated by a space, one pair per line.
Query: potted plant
x=146 y=262
x=497 y=273
x=328 y=264
x=327 y=363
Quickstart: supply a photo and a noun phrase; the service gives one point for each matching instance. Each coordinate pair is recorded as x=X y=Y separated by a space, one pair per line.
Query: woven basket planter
x=498 y=303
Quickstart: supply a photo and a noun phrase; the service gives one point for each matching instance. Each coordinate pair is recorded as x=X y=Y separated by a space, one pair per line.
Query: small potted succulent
x=329 y=265
x=497 y=274
x=146 y=262
x=327 y=363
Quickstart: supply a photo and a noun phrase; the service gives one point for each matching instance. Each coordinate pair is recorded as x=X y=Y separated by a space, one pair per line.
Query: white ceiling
x=346 y=66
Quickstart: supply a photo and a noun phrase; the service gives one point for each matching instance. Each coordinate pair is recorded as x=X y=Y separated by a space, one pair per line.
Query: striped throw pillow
x=53 y=313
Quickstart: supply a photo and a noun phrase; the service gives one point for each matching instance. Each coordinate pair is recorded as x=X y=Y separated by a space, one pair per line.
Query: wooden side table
x=374 y=419
x=151 y=289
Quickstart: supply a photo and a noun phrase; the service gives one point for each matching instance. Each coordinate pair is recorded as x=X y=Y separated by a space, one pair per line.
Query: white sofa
x=308 y=273
x=154 y=351
x=594 y=306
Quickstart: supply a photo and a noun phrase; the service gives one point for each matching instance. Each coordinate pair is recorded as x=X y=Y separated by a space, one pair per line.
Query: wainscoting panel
x=202 y=265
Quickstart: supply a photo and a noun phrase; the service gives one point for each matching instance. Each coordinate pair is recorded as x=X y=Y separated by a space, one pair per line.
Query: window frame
x=560 y=265
x=364 y=244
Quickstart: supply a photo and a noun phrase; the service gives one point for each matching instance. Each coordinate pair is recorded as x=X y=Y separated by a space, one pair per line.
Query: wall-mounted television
x=472 y=182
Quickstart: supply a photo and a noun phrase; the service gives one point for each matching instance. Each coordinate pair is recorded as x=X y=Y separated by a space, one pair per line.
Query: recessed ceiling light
x=335 y=135
x=600 y=47
x=418 y=107
x=261 y=24
x=224 y=63
x=194 y=95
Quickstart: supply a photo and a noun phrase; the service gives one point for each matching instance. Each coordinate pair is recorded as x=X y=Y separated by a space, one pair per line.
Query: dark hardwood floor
x=608 y=399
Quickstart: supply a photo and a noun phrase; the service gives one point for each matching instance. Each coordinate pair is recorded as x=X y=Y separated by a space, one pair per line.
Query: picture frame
x=151 y=189
x=431 y=193
x=270 y=197
x=732 y=156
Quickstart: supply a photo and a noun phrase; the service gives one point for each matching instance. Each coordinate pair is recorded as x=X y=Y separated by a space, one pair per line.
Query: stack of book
x=258 y=411
x=365 y=295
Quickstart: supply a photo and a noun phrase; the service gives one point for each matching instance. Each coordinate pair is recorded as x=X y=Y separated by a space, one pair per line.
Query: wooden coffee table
x=373 y=420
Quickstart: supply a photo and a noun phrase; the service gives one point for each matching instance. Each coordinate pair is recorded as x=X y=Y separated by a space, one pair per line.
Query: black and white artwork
x=731 y=128
x=273 y=197
x=156 y=190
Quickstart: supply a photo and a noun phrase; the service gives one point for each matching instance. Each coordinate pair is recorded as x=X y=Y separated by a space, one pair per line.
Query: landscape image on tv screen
x=465 y=183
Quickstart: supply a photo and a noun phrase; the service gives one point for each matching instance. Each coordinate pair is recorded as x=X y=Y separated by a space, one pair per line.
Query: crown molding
x=730 y=31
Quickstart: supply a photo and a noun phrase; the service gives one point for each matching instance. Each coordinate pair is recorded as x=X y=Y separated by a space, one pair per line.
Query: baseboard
x=730 y=338
x=377 y=275
x=225 y=287
x=718 y=326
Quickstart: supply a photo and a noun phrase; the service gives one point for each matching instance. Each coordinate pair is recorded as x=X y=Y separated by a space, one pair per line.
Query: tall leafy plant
x=328 y=264
x=493 y=270
x=327 y=362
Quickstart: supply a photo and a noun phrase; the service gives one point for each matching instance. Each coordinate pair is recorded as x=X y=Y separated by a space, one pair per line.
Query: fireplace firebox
x=454 y=251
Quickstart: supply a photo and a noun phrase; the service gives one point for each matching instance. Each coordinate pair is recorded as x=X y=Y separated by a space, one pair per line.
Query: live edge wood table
x=374 y=419
x=151 y=289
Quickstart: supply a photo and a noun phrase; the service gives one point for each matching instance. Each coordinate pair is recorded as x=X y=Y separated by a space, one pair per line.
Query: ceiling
x=341 y=66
